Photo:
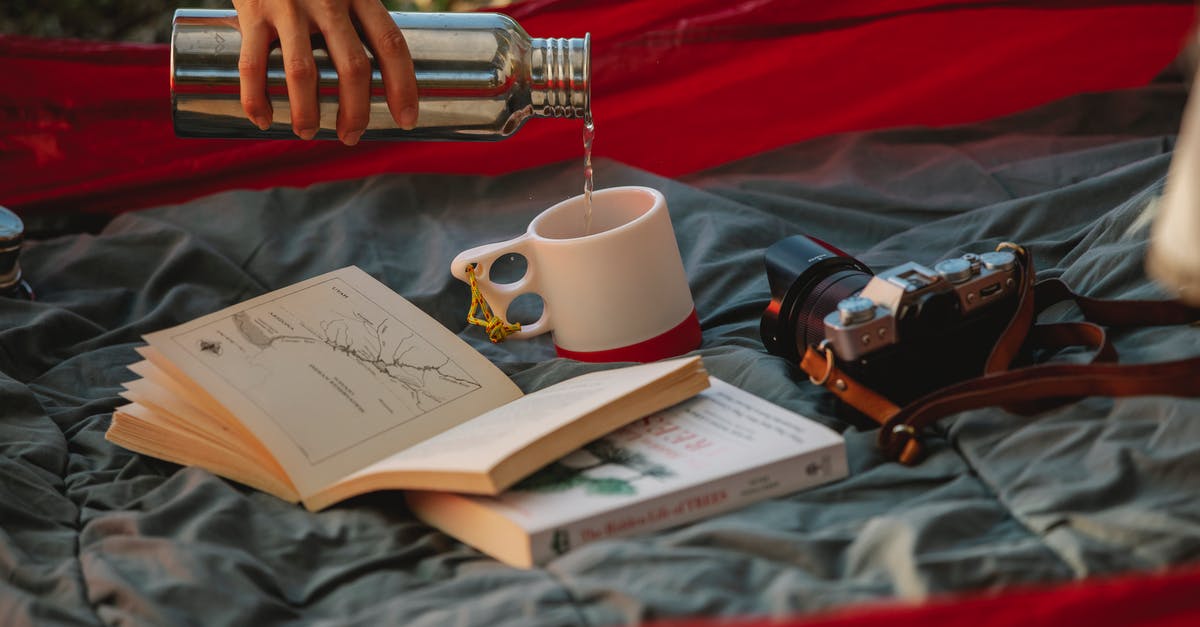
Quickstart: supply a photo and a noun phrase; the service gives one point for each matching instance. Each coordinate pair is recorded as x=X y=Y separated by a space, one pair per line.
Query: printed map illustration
x=329 y=366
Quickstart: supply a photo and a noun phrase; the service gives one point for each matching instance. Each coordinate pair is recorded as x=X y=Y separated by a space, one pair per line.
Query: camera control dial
x=855 y=309
x=954 y=270
x=1001 y=260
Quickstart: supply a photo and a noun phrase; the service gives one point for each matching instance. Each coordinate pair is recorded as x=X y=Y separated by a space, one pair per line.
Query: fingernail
x=352 y=137
x=307 y=133
x=262 y=122
x=408 y=118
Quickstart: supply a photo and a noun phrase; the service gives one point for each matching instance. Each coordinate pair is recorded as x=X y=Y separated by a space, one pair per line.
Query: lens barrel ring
x=808 y=278
x=823 y=298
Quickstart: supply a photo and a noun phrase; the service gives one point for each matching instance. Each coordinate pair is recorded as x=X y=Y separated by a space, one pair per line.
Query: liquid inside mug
x=615 y=293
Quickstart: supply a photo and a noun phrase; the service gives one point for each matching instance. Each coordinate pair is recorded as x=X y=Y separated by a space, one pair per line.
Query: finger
x=354 y=75
x=300 y=71
x=252 y=70
x=395 y=62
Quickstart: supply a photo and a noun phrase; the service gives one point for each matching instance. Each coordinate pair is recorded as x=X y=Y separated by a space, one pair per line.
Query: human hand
x=293 y=22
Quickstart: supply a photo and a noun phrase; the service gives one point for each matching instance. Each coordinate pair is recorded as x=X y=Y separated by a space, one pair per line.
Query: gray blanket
x=91 y=533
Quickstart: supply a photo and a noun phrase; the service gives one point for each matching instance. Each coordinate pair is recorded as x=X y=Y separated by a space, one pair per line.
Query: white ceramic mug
x=616 y=293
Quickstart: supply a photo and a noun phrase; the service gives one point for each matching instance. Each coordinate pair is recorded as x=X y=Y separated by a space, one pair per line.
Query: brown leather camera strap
x=1029 y=388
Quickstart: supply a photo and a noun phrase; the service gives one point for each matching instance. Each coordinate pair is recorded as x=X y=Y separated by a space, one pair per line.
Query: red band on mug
x=678 y=340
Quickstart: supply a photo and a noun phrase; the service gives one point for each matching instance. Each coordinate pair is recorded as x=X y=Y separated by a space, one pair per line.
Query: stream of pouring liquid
x=589 y=133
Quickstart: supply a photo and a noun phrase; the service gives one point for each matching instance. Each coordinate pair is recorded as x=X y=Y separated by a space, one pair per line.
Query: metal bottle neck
x=11 y=278
x=560 y=73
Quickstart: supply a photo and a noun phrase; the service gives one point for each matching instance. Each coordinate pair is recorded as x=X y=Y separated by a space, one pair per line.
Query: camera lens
x=808 y=278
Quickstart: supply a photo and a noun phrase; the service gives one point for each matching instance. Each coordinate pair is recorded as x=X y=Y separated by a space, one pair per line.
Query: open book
x=722 y=449
x=338 y=386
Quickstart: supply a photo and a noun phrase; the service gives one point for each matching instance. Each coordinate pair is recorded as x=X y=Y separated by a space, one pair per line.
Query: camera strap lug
x=829 y=363
x=1031 y=388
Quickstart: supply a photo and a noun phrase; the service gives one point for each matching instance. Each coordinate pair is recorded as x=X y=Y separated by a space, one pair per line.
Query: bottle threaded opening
x=560 y=70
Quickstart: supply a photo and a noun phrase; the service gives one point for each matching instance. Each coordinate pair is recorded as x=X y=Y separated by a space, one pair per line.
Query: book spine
x=694 y=503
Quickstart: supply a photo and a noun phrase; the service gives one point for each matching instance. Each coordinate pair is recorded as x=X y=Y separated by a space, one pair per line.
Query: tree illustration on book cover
x=586 y=468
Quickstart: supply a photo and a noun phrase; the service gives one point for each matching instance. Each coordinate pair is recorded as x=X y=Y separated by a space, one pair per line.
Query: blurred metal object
x=1173 y=256
x=12 y=234
x=480 y=77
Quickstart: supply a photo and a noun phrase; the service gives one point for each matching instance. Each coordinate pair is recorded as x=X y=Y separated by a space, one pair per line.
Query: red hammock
x=678 y=86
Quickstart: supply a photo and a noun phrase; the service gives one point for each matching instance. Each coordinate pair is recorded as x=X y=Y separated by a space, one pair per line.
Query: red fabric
x=1163 y=600
x=678 y=85
x=673 y=342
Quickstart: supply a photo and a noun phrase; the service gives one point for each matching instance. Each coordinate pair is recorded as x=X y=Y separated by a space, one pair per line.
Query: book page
x=481 y=444
x=335 y=373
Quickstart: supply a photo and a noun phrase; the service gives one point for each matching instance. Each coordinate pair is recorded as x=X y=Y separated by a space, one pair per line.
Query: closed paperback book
x=723 y=449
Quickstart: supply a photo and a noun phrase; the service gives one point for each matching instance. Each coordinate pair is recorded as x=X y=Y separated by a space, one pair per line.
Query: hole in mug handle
x=525 y=309
x=508 y=269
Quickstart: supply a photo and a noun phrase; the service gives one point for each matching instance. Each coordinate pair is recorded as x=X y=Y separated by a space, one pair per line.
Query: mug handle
x=500 y=295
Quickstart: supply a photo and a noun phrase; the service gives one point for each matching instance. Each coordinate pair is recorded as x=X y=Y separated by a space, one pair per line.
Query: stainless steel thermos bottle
x=12 y=233
x=480 y=76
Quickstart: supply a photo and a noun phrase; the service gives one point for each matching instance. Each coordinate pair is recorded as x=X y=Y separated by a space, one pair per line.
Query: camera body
x=904 y=332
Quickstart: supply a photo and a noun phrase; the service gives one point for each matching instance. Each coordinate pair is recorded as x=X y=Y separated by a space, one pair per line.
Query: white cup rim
x=656 y=199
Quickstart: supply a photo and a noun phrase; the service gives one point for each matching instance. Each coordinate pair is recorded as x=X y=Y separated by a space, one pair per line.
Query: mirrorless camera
x=903 y=332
